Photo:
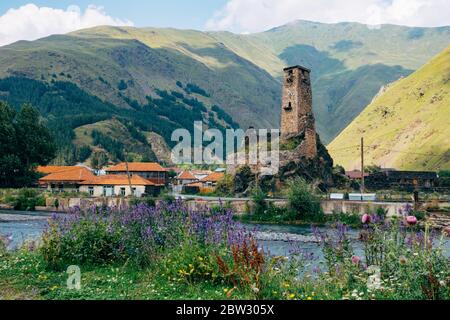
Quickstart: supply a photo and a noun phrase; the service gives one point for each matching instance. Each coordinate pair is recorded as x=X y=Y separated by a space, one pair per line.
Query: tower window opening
x=288 y=107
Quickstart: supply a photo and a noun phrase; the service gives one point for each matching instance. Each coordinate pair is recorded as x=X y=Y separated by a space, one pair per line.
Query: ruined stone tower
x=297 y=118
x=301 y=153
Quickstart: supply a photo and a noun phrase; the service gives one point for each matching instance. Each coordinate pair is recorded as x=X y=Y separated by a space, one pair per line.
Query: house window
x=108 y=191
x=91 y=191
x=122 y=192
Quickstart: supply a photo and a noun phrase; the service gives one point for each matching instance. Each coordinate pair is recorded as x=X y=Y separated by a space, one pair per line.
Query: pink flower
x=356 y=260
x=366 y=219
x=447 y=231
x=411 y=220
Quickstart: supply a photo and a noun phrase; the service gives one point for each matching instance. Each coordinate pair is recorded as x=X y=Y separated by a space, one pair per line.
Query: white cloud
x=259 y=15
x=31 y=22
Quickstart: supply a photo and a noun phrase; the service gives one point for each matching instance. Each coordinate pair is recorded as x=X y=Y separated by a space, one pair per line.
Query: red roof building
x=356 y=174
x=148 y=170
x=64 y=178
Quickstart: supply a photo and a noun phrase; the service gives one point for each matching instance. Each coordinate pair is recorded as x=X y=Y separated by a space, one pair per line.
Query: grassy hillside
x=407 y=126
x=121 y=142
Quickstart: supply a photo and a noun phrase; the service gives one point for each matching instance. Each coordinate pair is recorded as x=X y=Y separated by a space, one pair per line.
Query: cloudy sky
x=29 y=20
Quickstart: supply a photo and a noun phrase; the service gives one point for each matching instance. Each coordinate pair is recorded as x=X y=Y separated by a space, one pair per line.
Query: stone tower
x=297 y=118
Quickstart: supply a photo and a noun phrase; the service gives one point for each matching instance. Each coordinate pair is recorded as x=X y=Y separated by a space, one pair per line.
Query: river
x=22 y=226
x=277 y=240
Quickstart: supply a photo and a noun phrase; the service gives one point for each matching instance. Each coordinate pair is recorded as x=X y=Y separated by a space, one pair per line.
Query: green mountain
x=407 y=126
x=99 y=60
x=349 y=61
x=162 y=79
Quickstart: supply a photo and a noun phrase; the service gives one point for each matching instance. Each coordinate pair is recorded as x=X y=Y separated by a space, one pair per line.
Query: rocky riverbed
x=5 y=217
x=286 y=237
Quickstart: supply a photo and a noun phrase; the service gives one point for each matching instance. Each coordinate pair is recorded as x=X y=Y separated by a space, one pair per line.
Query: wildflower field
x=169 y=252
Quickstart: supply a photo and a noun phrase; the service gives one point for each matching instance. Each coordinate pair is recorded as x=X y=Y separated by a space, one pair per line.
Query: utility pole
x=362 y=166
x=128 y=173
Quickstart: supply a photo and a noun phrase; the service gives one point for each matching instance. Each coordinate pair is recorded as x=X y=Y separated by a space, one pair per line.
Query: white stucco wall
x=116 y=190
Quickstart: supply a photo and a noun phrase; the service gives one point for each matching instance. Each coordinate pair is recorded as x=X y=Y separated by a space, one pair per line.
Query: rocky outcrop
x=317 y=170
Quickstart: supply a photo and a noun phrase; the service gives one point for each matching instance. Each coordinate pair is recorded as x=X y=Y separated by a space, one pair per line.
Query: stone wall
x=239 y=206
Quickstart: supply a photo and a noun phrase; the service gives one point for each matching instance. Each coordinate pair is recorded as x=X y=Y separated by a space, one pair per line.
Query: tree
x=99 y=160
x=122 y=85
x=372 y=169
x=7 y=130
x=303 y=202
x=35 y=144
x=25 y=142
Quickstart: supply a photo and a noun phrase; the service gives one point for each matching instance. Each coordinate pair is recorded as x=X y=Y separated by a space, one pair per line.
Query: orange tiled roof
x=53 y=169
x=137 y=166
x=194 y=184
x=201 y=172
x=118 y=180
x=186 y=175
x=214 y=177
x=355 y=174
x=73 y=174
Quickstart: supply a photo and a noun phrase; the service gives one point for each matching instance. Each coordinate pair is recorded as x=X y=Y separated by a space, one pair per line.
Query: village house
x=212 y=179
x=151 y=171
x=405 y=180
x=356 y=175
x=116 y=185
x=185 y=177
x=63 y=178
x=205 y=185
x=201 y=174
x=196 y=180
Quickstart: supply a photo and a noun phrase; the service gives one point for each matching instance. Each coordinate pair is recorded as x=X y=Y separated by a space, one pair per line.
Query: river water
x=23 y=226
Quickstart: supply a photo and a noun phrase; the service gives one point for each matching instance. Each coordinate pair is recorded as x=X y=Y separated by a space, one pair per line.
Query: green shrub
x=420 y=215
x=382 y=213
x=225 y=186
x=26 y=199
x=168 y=198
x=259 y=202
x=90 y=242
x=149 y=201
x=190 y=263
x=349 y=219
x=303 y=203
